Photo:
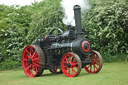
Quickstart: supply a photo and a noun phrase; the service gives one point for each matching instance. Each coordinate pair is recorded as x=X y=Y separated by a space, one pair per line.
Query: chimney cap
x=76 y=7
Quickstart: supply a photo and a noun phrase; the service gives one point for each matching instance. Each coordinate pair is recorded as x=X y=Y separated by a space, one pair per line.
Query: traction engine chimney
x=77 y=14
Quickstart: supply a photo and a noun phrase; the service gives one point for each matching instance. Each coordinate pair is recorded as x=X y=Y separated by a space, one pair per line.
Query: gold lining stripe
x=71 y=46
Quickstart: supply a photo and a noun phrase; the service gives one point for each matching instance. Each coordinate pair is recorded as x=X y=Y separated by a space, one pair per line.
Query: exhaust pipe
x=77 y=14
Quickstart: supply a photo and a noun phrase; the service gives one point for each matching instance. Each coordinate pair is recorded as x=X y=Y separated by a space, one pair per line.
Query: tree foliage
x=13 y=25
x=106 y=26
x=48 y=16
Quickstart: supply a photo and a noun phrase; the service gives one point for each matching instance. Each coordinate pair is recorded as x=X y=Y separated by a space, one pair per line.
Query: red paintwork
x=84 y=48
x=95 y=65
x=71 y=71
x=30 y=53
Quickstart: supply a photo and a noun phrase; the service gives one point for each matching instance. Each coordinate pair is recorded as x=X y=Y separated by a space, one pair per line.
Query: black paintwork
x=55 y=46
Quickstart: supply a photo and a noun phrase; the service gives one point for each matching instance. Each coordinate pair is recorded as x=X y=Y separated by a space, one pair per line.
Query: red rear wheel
x=33 y=60
x=55 y=71
x=97 y=63
x=71 y=64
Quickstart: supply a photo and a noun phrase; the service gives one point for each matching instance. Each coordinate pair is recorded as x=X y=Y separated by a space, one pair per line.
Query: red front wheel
x=97 y=63
x=33 y=60
x=71 y=64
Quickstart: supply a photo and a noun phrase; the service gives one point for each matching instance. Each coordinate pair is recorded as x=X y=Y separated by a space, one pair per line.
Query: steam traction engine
x=61 y=52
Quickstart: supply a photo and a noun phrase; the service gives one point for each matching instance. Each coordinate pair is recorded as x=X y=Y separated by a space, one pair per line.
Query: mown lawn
x=110 y=74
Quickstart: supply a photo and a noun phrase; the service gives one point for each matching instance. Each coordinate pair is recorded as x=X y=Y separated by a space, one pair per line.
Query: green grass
x=110 y=74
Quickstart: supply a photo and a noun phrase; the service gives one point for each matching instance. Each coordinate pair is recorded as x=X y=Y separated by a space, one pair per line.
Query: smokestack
x=77 y=14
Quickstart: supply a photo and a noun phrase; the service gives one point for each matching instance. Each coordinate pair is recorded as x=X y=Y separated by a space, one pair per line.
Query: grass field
x=110 y=74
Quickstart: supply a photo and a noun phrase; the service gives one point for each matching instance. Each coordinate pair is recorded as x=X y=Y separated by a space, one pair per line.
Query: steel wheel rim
x=70 y=65
x=96 y=65
x=30 y=61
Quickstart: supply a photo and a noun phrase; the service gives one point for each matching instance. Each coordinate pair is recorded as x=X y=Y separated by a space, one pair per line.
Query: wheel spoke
x=90 y=67
x=68 y=56
x=31 y=67
x=65 y=66
x=98 y=61
x=95 y=67
x=74 y=60
x=31 y=72
x=34 y=54
x=96 y=58
x=98 y=64
x=68 y=70
x=35 y=64
x=75 y=63
x=36 y=70
x=74 y=70
x=93 y=55
x=71 y=58
x=66 y=60
x=36 y=59
x=25 y=59
x=27 y=52
x=28 y=67
x=32 y=49
x=76 y=67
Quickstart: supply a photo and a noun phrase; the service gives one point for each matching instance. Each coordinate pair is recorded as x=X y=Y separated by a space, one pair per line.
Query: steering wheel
x=56 y=32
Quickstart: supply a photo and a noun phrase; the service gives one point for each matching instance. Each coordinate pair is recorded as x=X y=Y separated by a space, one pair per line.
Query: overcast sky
x=18 y=2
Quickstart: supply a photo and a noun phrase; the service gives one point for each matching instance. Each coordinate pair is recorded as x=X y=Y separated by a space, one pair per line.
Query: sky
x=18 y=2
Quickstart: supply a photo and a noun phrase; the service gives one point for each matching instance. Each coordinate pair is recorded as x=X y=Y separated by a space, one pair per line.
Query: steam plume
x=68 y=5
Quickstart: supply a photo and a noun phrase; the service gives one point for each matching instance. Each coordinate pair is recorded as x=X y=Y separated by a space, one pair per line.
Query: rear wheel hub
x=30 y=61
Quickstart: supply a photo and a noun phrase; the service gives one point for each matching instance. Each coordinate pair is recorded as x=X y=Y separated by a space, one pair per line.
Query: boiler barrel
x=78 y=46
